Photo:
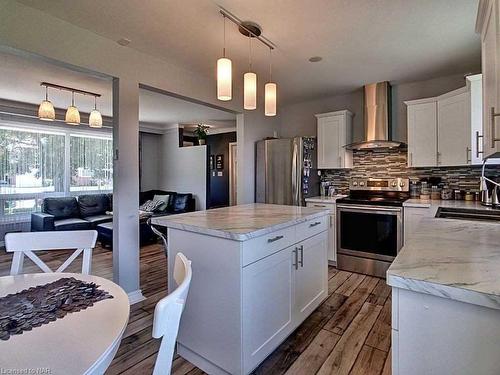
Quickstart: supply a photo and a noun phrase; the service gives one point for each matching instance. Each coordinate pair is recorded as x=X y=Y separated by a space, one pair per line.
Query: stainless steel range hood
x=377 y=119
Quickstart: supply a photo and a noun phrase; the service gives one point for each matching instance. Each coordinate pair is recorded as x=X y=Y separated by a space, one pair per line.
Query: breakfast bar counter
x=259 y=270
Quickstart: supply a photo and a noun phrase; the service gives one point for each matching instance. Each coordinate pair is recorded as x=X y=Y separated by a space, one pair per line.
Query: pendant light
x=270 y=92
x=250 y=83
x=95 y=118
x=72 y=114
x=46 y=111
x=224 y=73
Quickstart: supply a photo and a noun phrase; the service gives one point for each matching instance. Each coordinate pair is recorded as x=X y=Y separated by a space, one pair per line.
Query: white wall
x=150 y=160
x=183 y=169
x=298 y=119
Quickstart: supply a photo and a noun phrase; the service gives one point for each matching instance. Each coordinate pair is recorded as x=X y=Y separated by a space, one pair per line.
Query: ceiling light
x=224 y=73
x=270 y=92
x=315 y=59
x=46 y=111
x=250 y=83
x=72 y=113
x=95 y=118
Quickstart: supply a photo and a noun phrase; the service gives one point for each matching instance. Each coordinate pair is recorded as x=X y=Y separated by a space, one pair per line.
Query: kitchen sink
x=468 y=214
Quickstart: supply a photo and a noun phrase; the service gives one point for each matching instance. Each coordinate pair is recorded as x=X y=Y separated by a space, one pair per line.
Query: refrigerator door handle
x=295 y=177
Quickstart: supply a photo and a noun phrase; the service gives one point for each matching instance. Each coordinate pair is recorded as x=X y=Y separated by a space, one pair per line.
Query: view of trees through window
x=33 y=166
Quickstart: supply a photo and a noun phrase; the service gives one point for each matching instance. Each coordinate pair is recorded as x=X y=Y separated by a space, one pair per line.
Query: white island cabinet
x=258 y=271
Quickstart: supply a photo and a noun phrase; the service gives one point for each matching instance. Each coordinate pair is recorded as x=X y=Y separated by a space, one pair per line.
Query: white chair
x=168 y=313
x=22 y=244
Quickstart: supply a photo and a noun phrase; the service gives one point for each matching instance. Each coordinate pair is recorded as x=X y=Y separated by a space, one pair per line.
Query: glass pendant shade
x=95 y=119
x=72 y=116
x=250 y=91
x=46 y=111
x=224 y=79
x=270 y=99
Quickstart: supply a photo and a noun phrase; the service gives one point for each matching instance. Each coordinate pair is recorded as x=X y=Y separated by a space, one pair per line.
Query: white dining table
x=82 y=342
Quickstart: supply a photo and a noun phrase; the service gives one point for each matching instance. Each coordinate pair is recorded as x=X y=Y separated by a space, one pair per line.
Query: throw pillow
x=151 y=205
x=165 y=198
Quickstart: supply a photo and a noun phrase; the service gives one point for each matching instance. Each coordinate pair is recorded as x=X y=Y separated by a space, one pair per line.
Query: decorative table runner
x=43 y=304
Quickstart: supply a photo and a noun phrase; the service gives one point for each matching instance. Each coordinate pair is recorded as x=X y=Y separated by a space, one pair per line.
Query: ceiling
x=20 y=78
x=361 y=41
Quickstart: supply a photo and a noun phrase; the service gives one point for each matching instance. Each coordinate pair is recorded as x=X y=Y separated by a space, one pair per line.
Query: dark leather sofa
x=88 y=211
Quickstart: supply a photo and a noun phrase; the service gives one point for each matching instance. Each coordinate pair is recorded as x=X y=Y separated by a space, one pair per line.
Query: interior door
x=311 y=286
x=268 y=302
x=454 y=127
x=422 y=135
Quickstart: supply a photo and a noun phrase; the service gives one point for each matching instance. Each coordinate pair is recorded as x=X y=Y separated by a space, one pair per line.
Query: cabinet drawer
x=312 y=227
x=260 y=247
x=329 y=206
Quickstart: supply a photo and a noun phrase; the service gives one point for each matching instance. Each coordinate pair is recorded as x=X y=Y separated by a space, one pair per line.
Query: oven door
x=372 y=232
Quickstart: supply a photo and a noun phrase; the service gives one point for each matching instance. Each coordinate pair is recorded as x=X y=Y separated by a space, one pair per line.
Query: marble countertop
x=454 y=259
x=425 y=203
x=240 y=222
x=325 y=199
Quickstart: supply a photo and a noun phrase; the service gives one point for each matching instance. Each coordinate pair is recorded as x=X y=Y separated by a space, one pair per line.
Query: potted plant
x=201 y=132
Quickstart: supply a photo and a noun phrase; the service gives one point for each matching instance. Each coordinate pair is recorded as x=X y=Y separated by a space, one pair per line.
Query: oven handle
x=369 y=208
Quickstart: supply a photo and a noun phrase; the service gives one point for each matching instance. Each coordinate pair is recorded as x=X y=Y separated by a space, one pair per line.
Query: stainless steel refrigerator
x=286 y=170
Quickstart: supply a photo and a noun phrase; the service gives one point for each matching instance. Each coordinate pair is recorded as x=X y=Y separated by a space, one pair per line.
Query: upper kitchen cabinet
x=422 y=132
x=334 y=133
x=488 y=26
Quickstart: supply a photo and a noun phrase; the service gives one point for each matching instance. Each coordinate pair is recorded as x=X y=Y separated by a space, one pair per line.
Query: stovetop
x=377 y=192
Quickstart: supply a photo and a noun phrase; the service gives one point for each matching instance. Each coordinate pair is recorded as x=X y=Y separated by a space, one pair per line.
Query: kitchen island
x=446 y=299
x=258 y=271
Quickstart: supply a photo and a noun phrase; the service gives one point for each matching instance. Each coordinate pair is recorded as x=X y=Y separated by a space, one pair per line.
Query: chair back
x=26 y=243
x=168 y=312
x=159 y=234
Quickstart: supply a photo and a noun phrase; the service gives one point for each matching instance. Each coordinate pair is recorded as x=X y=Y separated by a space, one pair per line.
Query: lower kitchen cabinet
x=293 y=283
x=332 y=230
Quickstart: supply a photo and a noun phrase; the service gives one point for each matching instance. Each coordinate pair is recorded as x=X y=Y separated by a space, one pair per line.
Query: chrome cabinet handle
x=314 y=224
x=493 y=130
x=301 y=248
x=340 y=161
x=477 y=144
x=467 y=158
x=296 y=258
x=331 y=221
x=319 y=205
x=411 y=159
x=438 y=158
x=269 y=240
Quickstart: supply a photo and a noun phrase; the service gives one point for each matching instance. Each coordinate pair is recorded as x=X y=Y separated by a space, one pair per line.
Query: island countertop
x=241 y=222
x=455 y=259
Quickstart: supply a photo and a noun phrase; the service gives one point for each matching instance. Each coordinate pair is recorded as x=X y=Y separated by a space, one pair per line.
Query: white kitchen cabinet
x=332 y=232
x=334 y=133
x=311 y=277
x=422 y=132
x=488 y=26
x=272 y=280
x=454 y=128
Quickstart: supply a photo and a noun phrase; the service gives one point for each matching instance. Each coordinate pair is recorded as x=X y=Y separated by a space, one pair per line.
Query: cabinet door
x=490 y=39
x=454 y=130
x=422 y=135
x=268 y=305
x=332 y=239
x=329 y=142
x=311 y=284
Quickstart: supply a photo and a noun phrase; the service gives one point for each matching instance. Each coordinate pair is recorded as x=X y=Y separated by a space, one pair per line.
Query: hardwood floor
x=350 y=333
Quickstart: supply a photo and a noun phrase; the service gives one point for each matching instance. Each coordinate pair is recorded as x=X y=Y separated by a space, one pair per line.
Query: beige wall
x=298 y=119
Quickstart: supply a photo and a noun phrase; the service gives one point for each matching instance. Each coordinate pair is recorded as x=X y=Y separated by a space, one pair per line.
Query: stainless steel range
x=370 y=224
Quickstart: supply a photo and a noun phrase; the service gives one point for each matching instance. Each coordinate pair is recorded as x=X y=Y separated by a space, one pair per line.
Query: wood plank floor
x=350 y=333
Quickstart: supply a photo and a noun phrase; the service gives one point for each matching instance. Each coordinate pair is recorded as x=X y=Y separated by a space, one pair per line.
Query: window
x=33 y=166
x=91 y=163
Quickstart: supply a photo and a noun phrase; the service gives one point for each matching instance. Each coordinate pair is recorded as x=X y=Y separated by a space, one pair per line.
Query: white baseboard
x=135 y=296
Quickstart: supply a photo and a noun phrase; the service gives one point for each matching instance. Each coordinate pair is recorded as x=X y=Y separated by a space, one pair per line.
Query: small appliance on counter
x=370 y=224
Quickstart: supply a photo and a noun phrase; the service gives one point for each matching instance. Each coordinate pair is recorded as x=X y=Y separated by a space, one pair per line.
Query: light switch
x=219 y=174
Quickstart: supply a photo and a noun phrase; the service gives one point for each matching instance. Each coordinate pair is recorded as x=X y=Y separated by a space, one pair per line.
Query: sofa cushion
x=61 y=208
x=165 y=198
x=98 y=219
x=151 y=206
x=72 y=224
x=180 y=202
x=149 y=195
x=93 y=204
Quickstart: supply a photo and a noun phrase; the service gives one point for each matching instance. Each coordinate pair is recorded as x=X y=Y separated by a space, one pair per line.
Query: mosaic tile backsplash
x=393 y=163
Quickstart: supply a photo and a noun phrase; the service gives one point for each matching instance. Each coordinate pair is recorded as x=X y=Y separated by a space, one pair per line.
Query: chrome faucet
x=489 y=197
